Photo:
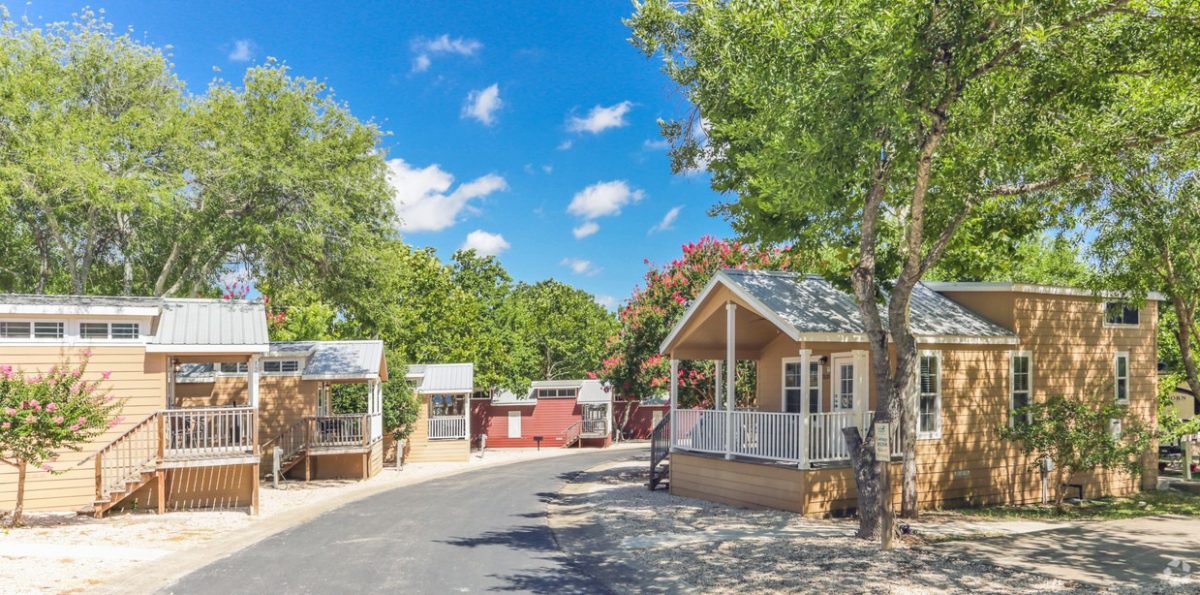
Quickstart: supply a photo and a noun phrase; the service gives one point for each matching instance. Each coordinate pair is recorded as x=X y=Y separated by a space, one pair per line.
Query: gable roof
x=443 y=378
x=336 y=360
x=211 y=325
x=590 y=391
x=810 y=307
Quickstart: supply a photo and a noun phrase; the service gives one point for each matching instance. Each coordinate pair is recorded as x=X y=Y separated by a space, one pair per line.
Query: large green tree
x=562 y=330
x=114 y=179
x=885 y=129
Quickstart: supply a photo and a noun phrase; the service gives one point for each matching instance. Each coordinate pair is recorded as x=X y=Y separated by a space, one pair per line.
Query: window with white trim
x=125 y=330
x=794 y=400
x=814 y=387
x=281 y=366
x=1020 y=386
x=109 y=330
x=1121 y=377
x=1120 y=314
x=230 y=368
x=929 y=397
x=16 y=330
x=49 y=330
x=550 y=393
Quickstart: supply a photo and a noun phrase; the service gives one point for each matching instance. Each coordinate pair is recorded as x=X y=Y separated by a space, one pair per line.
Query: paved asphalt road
x=485 y=530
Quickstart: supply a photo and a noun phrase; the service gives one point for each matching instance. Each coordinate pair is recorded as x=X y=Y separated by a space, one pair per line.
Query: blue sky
x=526 y=128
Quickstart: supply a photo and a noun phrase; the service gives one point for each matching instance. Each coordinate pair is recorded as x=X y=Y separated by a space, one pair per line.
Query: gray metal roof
x=81 y=301
x=812 y=304
x=212 y=322
x=336 y=359
x=446 y=378
x=594 y=391
x=507 y=397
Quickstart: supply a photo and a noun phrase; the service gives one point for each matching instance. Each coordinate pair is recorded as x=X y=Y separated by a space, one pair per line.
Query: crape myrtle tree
x=633 y=364
x=882 y=131
x=42 y=415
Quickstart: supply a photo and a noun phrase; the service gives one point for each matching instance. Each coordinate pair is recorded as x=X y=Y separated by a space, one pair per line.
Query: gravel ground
x=68 y=553
x=689 y=545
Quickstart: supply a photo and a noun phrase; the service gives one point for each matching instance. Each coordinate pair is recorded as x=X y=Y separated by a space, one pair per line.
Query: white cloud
x=580 y=266
x=586 y=229
x=566 y=145
x=603 y=199
x=651 y=144
x=425 y=48
x=485 y=243
x=482 y=104
x=243 y=50
x=601 y=118
x=423 y=198
x=607 y=301
x=668 y=220
x=548 y=169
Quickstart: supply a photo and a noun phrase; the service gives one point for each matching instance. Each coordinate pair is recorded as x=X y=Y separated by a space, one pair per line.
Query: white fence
x=700 y=430
x=802 y=438
x=208 y=431
x=447 y=426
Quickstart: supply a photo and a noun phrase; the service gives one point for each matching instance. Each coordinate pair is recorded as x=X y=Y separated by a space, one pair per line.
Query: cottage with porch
x=985 y=349
x=442 y=431
x=553 y=413
x=202 y=387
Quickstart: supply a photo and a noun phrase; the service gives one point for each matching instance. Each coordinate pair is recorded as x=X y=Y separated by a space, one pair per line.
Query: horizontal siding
x=970 y=464
x=138 y=378
x=423 y=450
x=548 y=418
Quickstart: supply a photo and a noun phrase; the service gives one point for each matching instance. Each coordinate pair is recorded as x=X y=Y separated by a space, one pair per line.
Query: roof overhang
x=926 y=339
x=74 y=310
x=364 y=377
x=215 y=349
x=721 y=279
x=941 y=286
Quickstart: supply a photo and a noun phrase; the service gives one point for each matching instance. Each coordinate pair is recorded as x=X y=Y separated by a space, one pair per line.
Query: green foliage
x=42 y=415
x=1046 y=259
x=400 y=403
x=115 y=180
x=561 y=330
x=633 y=364
x=1076 y=435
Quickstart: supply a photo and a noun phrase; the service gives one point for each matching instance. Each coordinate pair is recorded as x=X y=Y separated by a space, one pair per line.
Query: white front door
x=842 y=383
x=514 y=424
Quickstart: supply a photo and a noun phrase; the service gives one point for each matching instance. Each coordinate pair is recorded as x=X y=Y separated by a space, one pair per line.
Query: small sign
x=883 y=441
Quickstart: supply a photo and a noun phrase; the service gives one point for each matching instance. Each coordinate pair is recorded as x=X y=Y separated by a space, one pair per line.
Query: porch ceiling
x=704 y=335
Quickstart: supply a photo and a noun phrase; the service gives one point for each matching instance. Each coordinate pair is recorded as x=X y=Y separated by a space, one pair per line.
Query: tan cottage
x=985 y=349
x=207 y=400
x=443 y=427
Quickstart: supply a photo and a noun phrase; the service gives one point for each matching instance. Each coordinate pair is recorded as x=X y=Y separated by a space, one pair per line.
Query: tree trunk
x=866 y=474
x=908 y=435
x=19 y=509
x=1187 y=322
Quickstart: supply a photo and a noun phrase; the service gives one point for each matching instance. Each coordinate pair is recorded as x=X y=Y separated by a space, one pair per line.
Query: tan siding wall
x=137 y=377
x=219 y=487
x=424 y=450
x=1072 y=354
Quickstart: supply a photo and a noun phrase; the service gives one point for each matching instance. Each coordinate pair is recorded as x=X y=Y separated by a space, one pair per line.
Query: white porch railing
x=208 y=431
x=699 y=430
x=447 y=426
x=802 y=438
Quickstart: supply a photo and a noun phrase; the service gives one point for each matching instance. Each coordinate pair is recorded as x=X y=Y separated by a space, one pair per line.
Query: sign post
x=883 y=458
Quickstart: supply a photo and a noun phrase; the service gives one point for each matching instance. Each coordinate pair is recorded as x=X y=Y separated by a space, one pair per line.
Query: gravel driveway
x=655 y=542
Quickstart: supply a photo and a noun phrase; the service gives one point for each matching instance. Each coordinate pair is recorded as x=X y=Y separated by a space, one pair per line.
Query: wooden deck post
x=162 y=436
x=161 y=492
x=99 y=478
x=254 y=494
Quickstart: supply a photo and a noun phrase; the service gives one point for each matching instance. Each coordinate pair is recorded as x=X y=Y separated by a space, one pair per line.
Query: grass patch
x=1125 y=507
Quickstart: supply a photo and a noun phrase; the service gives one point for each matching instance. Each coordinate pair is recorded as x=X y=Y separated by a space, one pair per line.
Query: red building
x=554 y=413
x=635 y=419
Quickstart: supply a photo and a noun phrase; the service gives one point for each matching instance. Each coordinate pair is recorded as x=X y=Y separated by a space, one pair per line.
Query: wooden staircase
x=573 y=434
x=294 y=444
x=660 y=450
x=129 y=463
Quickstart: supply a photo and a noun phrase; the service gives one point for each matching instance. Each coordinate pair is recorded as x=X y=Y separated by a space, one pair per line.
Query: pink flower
x=33 y=402
x=30 y=419
x=7 y=371
x=37 y=407
x=10 y=411
x=47 y=468
x=35 y=378
x=74 y=427
x=592 y=375
x=58 y=419
x=51 y=407
x=82 y=420
x=87 y=352
x=6 y=425
x=105 y=374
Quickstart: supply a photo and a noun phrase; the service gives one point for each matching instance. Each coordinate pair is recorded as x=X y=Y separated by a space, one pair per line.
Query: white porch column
x=718 y=391
x=171 y=382
x=731 y=377
x=375 y=409
x=674 y=383
x=252 y=380
x=805 y=394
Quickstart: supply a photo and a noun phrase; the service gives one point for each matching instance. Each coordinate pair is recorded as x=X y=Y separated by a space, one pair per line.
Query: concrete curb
x=159 y=574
